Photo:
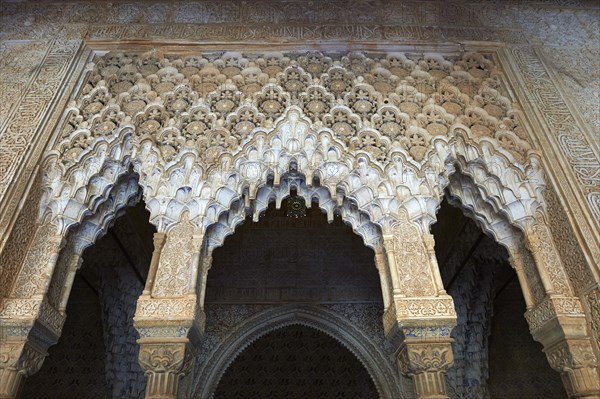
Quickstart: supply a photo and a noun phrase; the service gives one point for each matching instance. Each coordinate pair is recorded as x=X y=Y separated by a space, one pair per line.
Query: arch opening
x=97 y=353
x=296 y=361
x=494 y=352
x=294 y=266
x=293 y=253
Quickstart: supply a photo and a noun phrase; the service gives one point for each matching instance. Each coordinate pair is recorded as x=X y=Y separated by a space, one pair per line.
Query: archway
x=494 y=353
x=368 y=351
x=96 y=354
x=296 y=362
x=293 y=254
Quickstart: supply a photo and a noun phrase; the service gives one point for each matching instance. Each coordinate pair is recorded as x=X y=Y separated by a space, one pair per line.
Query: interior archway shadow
x=296 y=362
x=494 y=353
x=96 y=355
x=292 y=268
x=283 y=258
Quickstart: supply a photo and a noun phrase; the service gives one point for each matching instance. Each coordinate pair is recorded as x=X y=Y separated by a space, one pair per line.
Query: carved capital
x=165 y=363
x=576 y=362
x=18 y=359
x=426 y=361
x=425 y=356
x=165 y=357
x=21 y=356
x=572 y=354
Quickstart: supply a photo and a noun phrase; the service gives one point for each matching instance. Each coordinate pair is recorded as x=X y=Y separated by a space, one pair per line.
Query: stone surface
x=491 y=101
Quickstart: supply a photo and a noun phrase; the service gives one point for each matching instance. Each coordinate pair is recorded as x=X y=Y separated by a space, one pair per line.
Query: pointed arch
x=370 y=354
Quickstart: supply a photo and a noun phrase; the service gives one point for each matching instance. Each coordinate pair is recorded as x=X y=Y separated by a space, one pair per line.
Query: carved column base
x=11 y=382
x=18 y=360
x=559 y=324
x=165 y=363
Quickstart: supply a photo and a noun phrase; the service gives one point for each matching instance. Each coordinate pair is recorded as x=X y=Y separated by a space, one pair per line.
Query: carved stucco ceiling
x=191 y=125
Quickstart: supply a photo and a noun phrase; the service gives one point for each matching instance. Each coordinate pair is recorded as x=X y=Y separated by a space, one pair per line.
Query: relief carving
x=178 y=260
x=164 y=364
x=408 y=131
x=414 y=270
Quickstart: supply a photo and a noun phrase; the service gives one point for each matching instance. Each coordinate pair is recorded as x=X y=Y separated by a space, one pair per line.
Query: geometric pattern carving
x=233 y=120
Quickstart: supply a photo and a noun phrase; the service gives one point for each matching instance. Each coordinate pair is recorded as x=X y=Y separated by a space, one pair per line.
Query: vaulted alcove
x=495 y=355
x=96 y=356
x=291 y=257
x=296 y=362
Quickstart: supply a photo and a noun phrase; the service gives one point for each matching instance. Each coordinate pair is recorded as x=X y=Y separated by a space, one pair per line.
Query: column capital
x=577 y=364
x=424 y=355
x=426 y=360
x=18 y=359
x=560 y=325
x=165 y=362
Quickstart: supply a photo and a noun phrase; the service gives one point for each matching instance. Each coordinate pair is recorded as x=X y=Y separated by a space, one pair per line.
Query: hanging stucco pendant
x=296 y=206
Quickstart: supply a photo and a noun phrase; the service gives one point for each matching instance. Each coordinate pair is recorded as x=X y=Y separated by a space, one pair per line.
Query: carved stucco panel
x=572 y=141
x=17 y=244
x=576 y=266
x=541 y=245
x=34 y=275
x=579 y=71
x=592 y=306
x=161 y=308
x=17 y=60
x=412 y=261
x=19 y=130
x=177 y=262
x=550 y=308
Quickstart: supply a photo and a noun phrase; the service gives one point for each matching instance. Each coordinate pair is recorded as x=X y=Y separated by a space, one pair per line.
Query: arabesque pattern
x=385 y=130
